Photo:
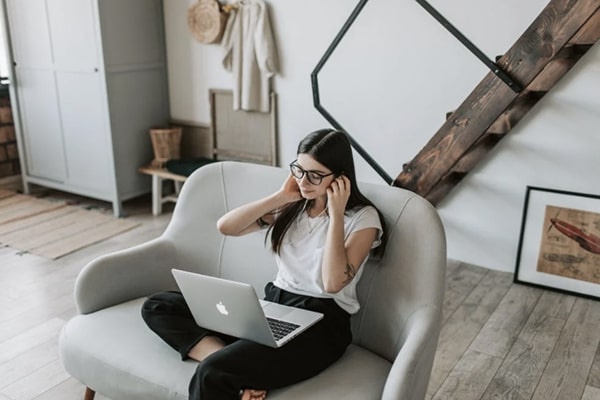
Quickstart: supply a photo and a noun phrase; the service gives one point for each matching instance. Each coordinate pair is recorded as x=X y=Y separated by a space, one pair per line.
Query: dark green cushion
x=185 y=167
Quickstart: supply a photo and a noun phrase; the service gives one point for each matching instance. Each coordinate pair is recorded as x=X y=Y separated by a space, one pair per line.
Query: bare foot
x=205 y=347
x=251 y=394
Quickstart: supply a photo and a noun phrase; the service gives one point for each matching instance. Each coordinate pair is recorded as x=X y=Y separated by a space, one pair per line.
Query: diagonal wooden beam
x=560 y=22
x=550 y=75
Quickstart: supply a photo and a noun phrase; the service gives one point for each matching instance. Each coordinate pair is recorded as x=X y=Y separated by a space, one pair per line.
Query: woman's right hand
x=290 y=192
x=250 y=394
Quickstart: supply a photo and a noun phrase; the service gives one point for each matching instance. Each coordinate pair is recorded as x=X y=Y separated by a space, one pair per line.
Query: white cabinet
x=90 y=81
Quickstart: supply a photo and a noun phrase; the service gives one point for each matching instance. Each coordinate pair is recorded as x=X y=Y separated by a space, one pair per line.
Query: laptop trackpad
x=274 y=310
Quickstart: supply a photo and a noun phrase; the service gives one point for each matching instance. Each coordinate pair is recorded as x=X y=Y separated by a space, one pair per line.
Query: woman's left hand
x=338 y=194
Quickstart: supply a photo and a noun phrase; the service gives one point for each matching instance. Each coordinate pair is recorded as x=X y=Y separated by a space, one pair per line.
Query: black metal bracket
x=317 y=100
x=469 y=45
x=314 y=76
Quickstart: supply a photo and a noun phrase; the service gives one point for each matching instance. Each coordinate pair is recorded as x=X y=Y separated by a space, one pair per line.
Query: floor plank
x=505 y=324
x=36 y=383
x=594 y=378
x=23 y=342
x=30 y=316
x=460 y=281
x=524 y=365
x=470 y=377
x=67 y=390
x=591 y=393
x=465 y=323
x=28 y=362
x=569 y=366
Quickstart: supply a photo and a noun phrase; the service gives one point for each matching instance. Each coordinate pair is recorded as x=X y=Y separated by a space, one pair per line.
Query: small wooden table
x=158 y=175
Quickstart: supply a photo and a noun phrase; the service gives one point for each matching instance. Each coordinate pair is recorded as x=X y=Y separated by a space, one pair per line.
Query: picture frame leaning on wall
x=559 y=242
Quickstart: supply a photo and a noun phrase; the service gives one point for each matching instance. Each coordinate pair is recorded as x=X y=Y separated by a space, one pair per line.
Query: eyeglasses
x=314 y=177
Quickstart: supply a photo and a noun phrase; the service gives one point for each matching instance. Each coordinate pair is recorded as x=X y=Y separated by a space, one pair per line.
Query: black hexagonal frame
x=338 y=38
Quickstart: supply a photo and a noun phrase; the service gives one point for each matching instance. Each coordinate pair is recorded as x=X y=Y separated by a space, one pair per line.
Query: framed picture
x=559 y=244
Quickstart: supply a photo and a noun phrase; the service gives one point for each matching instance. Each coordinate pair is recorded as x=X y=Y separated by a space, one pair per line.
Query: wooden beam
x=558 y=23
x=590 y=32
x=558 y=67
x=550 y=75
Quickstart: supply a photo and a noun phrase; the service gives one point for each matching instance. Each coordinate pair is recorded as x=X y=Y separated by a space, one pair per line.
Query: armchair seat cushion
x=116 y=341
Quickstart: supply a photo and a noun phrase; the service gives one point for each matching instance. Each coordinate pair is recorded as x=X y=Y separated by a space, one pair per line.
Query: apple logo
x=222 y=309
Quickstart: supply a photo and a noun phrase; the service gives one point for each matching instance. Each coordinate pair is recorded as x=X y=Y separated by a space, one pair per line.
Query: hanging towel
x=250 y=55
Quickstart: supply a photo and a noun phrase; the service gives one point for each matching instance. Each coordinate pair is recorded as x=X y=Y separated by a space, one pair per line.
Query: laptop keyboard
x=281 y=328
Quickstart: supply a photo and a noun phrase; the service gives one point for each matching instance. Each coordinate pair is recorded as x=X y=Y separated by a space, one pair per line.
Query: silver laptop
x=234 y=309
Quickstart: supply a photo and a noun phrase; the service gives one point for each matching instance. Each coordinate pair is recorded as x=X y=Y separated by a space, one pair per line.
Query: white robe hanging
x=250 y=54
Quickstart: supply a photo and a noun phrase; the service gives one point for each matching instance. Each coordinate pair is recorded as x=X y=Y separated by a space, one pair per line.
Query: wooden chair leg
x=89 y=394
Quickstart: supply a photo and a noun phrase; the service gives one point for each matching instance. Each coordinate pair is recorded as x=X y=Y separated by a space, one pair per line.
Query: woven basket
x=166 y=143
x=206 y=21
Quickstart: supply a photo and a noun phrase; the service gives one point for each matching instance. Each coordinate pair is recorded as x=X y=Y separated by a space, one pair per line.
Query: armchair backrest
x=408 y=277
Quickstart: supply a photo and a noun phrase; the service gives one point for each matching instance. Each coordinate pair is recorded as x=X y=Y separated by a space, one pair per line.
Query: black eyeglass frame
x=309 y=177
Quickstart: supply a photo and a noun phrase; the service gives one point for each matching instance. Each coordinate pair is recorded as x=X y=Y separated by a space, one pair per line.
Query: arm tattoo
x=261 y=223
x=350 y=273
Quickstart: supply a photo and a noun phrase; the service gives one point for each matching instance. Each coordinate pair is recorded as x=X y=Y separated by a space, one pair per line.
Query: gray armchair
x=110 y=350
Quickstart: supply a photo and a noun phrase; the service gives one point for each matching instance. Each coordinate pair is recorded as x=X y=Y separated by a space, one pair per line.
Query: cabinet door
x=86 y=131
x=41 y=124
x=30 y=33
x=73 y=28
x=83 y=113
x=35 y=84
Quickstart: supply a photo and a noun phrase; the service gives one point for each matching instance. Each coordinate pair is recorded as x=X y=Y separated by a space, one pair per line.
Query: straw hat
x=206 y=21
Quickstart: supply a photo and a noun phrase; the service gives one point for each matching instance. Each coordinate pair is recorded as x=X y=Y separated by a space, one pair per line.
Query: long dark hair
x=332 y=149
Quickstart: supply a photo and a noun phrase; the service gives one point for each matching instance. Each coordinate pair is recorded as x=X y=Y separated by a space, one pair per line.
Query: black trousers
x=243 y=364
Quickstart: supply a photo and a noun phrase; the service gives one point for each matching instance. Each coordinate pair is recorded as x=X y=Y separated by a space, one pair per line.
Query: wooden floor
x=499 y=340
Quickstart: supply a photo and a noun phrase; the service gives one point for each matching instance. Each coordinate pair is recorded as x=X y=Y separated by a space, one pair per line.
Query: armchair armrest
x=125 y=275
x=409 y=376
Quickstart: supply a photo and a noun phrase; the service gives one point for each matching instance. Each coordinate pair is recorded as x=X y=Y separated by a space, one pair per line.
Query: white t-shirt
x=301 y=255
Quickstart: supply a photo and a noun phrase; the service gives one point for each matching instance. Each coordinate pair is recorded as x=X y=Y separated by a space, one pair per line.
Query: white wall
x=390 y=83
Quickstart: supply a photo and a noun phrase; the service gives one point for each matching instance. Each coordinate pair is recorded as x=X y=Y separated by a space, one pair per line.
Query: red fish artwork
x=586 y=241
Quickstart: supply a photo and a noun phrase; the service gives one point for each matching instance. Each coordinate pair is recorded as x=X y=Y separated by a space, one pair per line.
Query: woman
x=321 y=230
